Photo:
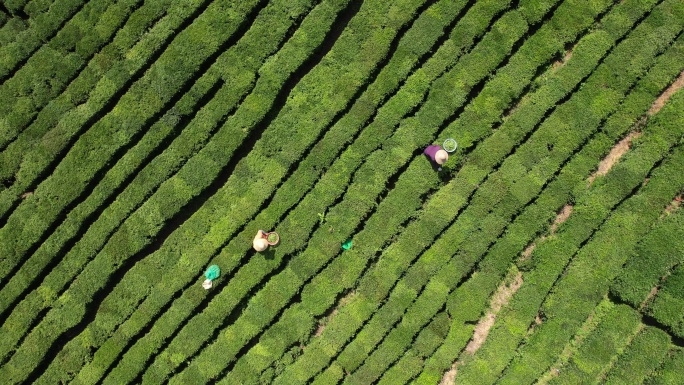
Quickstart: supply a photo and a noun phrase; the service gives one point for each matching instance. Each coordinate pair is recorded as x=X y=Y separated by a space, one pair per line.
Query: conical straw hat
x=441 y=156
x=260 y=244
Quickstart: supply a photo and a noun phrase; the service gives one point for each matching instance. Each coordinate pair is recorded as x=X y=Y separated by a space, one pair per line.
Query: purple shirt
x=430 y=151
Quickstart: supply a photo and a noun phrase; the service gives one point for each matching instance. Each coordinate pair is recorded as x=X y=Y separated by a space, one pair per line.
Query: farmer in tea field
x=260 y=242
x=437 y=155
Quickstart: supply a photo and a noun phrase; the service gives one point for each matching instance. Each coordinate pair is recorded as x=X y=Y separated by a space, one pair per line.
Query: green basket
x=450 y=145
x=272 y=238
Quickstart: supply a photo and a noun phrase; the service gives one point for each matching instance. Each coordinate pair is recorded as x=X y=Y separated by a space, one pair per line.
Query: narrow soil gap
x=650 y=296
x=614 y=155
x=449 y=377
x=539 y=319
x=343 y=299
x=527 y=253
x=564 y=59
x=654 y=291
x=500 y=299
x=588 y=327
x=561 y=217
x=666 y=95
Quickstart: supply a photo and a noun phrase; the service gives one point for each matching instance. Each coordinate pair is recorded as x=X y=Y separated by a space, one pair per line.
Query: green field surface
x=143 y=141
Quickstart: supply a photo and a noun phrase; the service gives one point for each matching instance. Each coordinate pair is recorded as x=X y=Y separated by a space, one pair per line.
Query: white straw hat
x=260 y=244
x=441 y=157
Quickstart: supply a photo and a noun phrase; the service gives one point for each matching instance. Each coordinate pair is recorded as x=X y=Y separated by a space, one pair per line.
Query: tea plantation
x=142 y=141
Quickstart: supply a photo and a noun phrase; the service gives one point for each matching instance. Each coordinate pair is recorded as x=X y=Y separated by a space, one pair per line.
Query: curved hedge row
x=668 y=305
x=195 y=132
x=656 y=254
x=598 y=350
x=141 y=141
x=451 y=237
x=50 y=69
x=271 y=212
x=90 y=65
x=571 y=235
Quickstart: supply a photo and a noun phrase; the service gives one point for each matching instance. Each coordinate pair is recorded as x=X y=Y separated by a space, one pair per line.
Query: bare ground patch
x=655 y=289
x=529 y=249
x=538 y=320
x=614 y=155
x=449 y=377
x=501 y=297
x=326 y=319
x=561 y=217
x=665 y=96
x=650 y=295
x=321 y=326
x=674 y=205
x=558 y=64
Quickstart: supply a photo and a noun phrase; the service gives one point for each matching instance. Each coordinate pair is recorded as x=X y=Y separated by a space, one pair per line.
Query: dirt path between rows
x=614 y=155
x=500 y=299
x=623 y=146
x=674 y=205
x=506 y=291
x=558 y=64
x=562 y=216
x=328 y=317
x=665 y=96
